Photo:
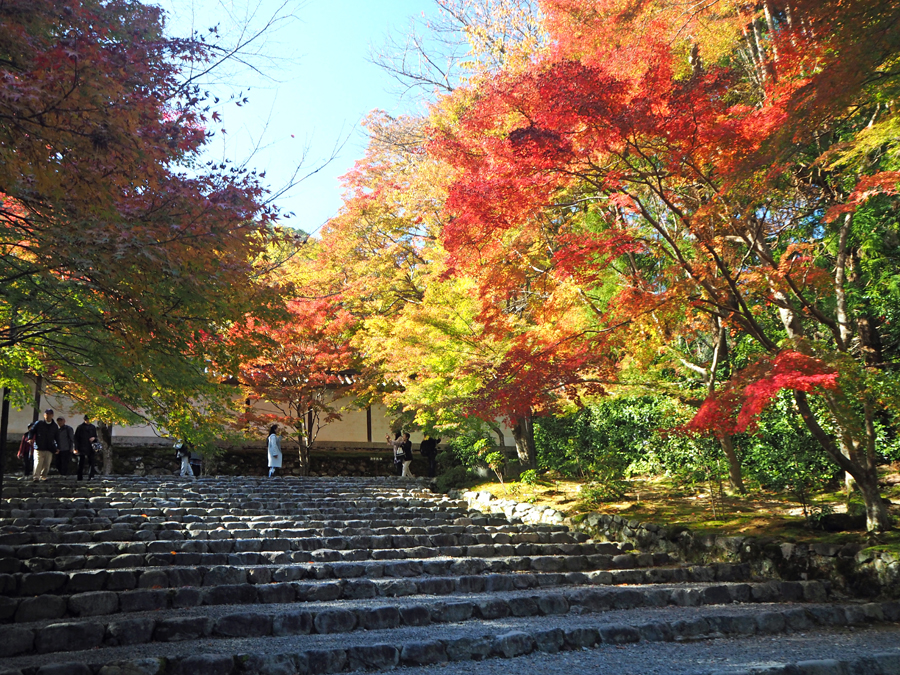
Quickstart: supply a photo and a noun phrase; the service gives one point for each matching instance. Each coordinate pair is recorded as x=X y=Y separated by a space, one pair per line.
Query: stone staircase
x=161 y=576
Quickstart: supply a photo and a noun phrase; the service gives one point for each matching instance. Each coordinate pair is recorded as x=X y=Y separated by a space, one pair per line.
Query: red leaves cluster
x=884 y=182
x=304 y=364
x=737 y=407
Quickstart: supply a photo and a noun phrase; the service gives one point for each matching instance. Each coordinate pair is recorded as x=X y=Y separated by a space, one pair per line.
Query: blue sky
x=319 y=86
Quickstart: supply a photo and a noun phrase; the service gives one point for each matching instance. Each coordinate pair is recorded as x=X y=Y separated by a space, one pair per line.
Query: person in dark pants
x=85 y=437
x=428 y=448
x=65 y=444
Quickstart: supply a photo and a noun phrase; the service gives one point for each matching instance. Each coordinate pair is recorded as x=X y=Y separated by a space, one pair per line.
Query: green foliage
x=529 y=477
x=457 y=476
x=816 y=515
x=471 y=447
x=783 y=455
x=494 y=459
x=594 y=495
x=617 y=437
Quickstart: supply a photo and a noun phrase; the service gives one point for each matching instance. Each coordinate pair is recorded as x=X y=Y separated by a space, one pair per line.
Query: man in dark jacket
x=65 y=444
x=43 y=435
x=85 y=437
x=428 y=448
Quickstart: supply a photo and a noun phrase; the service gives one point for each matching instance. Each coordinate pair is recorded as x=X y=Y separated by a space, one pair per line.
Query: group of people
x=47 y=440
x=400 y=443
x=403 y=453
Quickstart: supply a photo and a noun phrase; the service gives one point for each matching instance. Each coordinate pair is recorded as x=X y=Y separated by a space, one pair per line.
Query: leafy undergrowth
x=758 y=513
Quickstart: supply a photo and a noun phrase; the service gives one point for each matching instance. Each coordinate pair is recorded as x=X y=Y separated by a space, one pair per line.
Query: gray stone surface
x=69 y=637
x=202 y=664
x=16 y=640
x=41 y=608
x=133 y=667
x=424 y=653
x=182 y=628
x=94 y=603
x=373 y=657
x=130 y=631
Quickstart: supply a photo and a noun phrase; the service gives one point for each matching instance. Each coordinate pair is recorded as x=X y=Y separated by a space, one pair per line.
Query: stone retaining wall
x=159 y=460
x=851 y=568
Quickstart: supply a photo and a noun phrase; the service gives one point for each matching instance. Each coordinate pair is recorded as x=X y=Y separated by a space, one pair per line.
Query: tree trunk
x=304 y=454
x=38 y=384
x=4 y=427
x=523 y=433
x=497 y=430
x=735 y=475
x=877 y=517
x=722 y=356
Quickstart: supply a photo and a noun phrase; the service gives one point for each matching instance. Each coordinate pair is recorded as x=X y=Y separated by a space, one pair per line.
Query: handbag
x=97 y=446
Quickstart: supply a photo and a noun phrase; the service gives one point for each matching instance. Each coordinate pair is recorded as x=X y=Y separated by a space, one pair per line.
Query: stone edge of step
x=67 y=636
x=99 y=602
x=511 y=644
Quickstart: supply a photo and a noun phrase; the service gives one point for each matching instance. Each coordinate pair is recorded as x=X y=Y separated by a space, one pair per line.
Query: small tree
x=301 y=372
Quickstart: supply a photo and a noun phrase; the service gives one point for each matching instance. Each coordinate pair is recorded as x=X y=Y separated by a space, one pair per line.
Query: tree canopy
x=125 y=255
x=694 y=201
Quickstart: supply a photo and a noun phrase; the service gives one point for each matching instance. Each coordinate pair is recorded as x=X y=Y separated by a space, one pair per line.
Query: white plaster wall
x=351 y=429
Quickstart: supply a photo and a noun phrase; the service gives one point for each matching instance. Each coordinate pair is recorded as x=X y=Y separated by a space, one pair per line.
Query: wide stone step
x=545 y=557
x=89 y=647
x=362 y=614
x=114 y=592
x=231 y=570
x=32 y=543
x=73 y=531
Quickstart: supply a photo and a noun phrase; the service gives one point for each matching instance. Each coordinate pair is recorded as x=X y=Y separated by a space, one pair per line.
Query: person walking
x=274 y=449
x=402 y=449
x=65 y=444
x=43 y=435
x=183 y=453
x=85 y=437
x=26 y=452
x=428 y=448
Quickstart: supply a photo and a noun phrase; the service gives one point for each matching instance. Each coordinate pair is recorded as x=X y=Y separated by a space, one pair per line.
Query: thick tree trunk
x=735 y=476
x=523 y=433
x=877 y=517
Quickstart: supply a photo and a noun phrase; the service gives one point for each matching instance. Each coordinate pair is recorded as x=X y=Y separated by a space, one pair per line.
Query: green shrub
x=783 y=456
x=619 y=437
x=456 y=477
x=594 y=495
x=529 y=477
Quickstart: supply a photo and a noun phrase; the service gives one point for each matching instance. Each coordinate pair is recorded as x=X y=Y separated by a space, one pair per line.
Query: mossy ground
x=757 y=513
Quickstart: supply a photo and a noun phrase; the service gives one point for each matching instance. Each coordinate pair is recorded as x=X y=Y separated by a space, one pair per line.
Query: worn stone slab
x=423 y=653
x=41 y=608
x=69 y=637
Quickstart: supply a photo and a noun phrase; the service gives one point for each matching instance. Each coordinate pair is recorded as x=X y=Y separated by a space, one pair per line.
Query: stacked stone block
x=248 y=575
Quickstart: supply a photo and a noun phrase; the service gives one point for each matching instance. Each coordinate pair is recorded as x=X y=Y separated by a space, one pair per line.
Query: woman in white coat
x=274 y=447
